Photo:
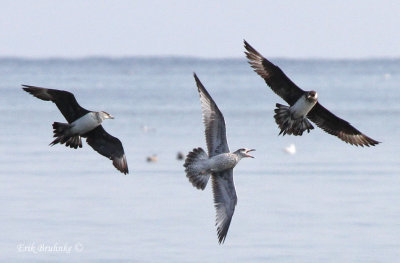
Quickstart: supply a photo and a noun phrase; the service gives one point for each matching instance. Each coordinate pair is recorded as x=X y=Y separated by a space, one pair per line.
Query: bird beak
x=110 y=116
x=248 y=155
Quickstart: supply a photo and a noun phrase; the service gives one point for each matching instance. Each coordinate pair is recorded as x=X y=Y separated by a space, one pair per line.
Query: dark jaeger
x=304 y=105
x=81 y=123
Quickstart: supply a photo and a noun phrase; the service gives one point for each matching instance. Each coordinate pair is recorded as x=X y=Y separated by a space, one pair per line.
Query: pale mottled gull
x=304 y=105
x=219 y=163
x=81 y=123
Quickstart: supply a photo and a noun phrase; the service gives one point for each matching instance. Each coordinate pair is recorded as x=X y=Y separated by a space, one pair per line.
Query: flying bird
x=219 y=163
x=304 y=105
x=81 y=123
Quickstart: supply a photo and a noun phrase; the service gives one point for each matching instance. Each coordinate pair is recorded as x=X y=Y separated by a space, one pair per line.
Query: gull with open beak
x=219 y=162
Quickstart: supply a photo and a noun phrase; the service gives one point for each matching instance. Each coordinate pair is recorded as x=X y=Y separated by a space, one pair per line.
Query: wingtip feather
x=121 y=164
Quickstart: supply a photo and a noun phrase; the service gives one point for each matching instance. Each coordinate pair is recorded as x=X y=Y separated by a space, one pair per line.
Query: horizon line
x=187 y=57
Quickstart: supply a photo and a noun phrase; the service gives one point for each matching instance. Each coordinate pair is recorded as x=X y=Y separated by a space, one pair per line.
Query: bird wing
x=108 y=146
x=213 y=121
x=225 y=200
x=334 y=125
x=273 y=76
x=64 y=100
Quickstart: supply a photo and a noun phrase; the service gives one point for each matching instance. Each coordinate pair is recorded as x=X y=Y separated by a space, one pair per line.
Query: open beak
x=248 y=155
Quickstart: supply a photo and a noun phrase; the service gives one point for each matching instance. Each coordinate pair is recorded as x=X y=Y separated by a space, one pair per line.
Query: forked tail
x=288 y=125
x=61 y=134
x=195 y=170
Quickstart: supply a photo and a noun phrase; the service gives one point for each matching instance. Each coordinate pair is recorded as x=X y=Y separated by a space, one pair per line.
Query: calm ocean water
x=330 y=202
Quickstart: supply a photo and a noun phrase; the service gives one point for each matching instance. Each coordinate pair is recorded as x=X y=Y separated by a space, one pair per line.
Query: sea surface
x=329 y=202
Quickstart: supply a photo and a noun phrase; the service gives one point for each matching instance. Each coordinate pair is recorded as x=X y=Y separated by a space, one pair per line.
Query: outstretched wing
x=108 y=146
x=334 y=125
x=64 y=100
x=213 y=121
x=225 y=200
x=273 y=76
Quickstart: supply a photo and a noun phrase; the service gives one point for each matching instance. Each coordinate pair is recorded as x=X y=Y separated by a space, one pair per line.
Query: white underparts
x=302 y=107
x=85 y=124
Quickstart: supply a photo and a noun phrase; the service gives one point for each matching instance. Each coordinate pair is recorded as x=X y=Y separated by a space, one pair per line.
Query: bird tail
x=288 y=125
x=195 y=171
x=61 y=134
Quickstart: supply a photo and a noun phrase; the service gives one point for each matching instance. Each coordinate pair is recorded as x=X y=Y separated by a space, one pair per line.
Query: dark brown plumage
x=291 y=93
x=102 y=142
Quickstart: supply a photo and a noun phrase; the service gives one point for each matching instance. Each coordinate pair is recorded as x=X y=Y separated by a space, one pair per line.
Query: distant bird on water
x=180 y=156
x=219 y=163
x=152 y=159
x=81 y=123
x=291 y=149
x=304 y=105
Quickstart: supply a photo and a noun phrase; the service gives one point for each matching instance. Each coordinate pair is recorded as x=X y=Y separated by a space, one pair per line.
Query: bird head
x=104 y=115
x=244 y=152
x=312 y=95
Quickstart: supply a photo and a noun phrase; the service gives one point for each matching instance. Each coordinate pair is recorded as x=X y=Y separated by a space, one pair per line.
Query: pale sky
x=201 y=28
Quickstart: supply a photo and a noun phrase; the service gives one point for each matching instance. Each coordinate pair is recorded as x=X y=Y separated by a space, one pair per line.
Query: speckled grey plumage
x=219 y=163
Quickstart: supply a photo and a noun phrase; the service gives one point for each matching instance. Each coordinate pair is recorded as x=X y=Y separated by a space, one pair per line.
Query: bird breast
x=302 y=107
x=85 y=123
x=222 y=162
